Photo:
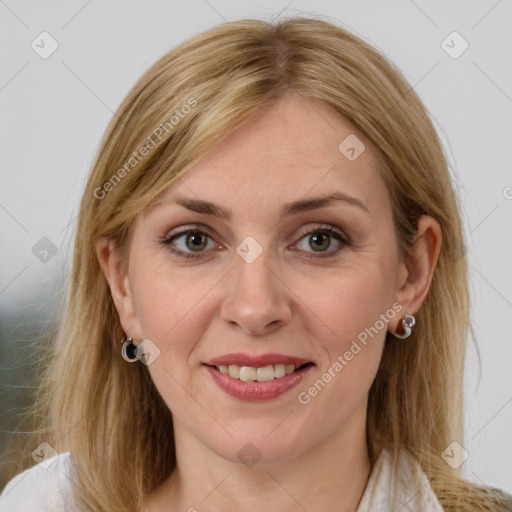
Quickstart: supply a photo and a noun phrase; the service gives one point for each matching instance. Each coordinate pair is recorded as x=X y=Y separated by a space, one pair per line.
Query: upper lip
x=242 y=359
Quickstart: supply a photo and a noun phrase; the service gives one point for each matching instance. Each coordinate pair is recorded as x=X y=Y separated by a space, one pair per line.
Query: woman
x=271 y=230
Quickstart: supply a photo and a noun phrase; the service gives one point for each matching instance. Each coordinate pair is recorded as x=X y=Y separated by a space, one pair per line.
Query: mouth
x=259 y=373
x=258 y=377
x=258 y=383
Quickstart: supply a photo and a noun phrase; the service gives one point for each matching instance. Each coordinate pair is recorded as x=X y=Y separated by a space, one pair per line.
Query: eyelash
x=187 y=256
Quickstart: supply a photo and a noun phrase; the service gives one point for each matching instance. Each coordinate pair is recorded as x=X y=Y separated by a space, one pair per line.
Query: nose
x=256 y=299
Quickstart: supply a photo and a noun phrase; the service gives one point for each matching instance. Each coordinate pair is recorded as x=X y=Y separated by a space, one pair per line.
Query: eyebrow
x=294 y=208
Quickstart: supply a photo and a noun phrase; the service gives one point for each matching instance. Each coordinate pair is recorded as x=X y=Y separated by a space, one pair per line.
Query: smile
x=258 y=374
x=257 y=384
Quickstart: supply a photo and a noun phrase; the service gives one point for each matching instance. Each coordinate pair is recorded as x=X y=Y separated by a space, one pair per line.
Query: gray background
x=53 y=112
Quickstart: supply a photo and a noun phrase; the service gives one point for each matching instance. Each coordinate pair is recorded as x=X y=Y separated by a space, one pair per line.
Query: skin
x=313 y=456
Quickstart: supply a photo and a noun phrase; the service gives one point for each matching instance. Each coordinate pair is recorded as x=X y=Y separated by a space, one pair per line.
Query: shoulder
x=502 y=494
x=408 y=488
x=43 y=487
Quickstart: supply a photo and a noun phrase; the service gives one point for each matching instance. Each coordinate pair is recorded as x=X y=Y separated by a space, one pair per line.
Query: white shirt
x=48 y=488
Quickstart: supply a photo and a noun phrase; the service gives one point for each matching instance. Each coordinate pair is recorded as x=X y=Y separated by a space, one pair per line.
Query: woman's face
x=256 y=285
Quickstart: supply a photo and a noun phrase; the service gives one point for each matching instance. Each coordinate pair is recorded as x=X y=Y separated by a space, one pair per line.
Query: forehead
x=289 y=149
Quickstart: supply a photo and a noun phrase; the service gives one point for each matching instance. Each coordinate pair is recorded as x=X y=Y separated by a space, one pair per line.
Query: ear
x=415 y=274
x=109 y=258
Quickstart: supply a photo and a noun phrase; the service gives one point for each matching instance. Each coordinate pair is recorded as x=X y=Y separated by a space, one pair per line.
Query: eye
x=196 y=241
x=193 y=239
x=321 y=239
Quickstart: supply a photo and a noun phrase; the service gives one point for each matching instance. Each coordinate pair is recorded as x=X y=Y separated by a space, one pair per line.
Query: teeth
x=289 y=368
x=280 y=370
x=234 y=371
x=247 y=373
x=261 y=374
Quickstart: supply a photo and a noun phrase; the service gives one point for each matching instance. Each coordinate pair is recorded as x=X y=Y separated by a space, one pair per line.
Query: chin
x=259 y=449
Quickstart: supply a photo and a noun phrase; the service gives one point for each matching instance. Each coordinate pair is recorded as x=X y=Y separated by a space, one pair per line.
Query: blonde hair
x=108 y=413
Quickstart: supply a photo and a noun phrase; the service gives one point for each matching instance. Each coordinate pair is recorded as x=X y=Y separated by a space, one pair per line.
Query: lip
x=258 y=391
x=256 y=361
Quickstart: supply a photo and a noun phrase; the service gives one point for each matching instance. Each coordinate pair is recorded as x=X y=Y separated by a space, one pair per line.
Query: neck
x=331 y=475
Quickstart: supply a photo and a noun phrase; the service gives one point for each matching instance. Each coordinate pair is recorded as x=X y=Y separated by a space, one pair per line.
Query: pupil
x=192 y=237
x=315 y=238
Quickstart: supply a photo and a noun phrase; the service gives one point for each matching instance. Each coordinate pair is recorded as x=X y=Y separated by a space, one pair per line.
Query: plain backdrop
x=54 y=110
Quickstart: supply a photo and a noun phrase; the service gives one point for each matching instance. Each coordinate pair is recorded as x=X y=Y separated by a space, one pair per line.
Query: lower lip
x=257 y=391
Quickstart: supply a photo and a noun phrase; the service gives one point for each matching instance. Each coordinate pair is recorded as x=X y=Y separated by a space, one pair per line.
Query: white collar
x=415 y=494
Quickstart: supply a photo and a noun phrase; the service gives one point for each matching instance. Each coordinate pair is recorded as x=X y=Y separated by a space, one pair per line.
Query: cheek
x=170 y=303
x=351 y=300
x=354 y=311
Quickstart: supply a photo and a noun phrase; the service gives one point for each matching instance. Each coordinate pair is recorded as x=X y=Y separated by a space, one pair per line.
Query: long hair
x=108 y=413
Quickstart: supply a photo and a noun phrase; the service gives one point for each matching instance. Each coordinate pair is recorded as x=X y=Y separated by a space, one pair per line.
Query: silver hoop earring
x=407 y=322
x=129 y=350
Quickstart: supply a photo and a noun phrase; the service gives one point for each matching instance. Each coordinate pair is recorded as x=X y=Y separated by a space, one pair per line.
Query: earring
x=129 y=350
x=407 y=322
